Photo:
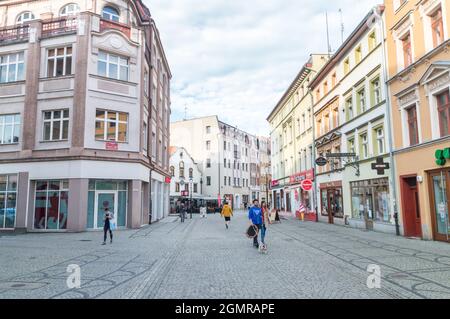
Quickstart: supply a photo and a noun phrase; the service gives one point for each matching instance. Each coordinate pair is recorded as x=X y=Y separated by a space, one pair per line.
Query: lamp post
x=190 y=194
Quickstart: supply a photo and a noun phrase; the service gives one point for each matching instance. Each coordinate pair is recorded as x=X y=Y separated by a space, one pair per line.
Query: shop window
x=8 y=201
x=111 y=126
x=370 y=200
x=51 y=204
x=413 y=129
x=56 y=125
x=443 y=102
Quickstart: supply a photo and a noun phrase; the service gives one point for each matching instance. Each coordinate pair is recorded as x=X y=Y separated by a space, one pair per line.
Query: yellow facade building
x=418 y=54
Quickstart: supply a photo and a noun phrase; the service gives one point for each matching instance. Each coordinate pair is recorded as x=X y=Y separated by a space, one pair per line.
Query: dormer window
x=70 y=10
x=110 y=13
x=25 y=17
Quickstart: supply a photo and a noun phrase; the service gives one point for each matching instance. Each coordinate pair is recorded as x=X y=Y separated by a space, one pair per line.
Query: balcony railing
x=107 y=25
x=59 y=26
x=14 y=33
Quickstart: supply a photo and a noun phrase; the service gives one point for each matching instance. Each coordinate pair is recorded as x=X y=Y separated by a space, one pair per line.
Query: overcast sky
x=235 y=58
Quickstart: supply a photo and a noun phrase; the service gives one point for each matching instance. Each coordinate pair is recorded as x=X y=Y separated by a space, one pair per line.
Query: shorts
x=227 y=219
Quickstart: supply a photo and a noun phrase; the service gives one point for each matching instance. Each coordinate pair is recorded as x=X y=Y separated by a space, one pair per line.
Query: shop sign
x=168 y=180
x=185 y=193
x=307 y=185
x=112 y=146
x=275 y=183
x=380 y=166
x=321 y=161
x=442 y=156
x=300 y=177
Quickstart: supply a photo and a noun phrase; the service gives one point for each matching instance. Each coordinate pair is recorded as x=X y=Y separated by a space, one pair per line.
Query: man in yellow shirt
x=226 y=212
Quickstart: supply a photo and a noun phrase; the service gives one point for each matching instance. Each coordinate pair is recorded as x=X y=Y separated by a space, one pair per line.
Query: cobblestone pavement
x=201 y=259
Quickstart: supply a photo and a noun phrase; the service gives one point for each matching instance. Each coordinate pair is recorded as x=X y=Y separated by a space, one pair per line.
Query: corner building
x=85 y=107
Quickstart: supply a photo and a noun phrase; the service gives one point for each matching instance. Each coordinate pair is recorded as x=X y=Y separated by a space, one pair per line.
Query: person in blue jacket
x=256 y=218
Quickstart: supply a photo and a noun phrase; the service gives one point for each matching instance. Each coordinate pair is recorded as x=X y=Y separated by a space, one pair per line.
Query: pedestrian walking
x=265 y=223
x=226 y=212
x=107 y=226
x=182 y=212
x=203 y=211
x=256 y=218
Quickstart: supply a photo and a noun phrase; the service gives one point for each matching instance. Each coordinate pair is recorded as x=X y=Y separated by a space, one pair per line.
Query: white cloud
x=236 y=58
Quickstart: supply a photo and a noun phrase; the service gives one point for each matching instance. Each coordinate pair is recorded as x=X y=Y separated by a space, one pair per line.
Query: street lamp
x=191 y=189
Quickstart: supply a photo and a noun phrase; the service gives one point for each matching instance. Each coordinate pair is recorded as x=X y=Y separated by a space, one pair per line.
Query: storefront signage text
x=298 y=178
x=442 y=156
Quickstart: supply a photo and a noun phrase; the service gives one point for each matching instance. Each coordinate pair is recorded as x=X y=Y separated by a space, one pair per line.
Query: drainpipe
x=393 y=184
x=314 y=165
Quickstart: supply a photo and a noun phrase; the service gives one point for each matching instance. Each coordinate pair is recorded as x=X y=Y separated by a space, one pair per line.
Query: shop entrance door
x=411 y=207
x=440 y=213
x=104 y=200
x=330 y=195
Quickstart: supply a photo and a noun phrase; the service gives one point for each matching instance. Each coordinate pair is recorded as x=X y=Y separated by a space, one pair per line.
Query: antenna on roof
x=342 y=26
x=328 y=34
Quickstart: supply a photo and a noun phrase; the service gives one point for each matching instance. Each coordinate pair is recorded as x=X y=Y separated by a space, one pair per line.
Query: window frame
x=108 y=62
x=71 y=12
x=445 y=108
x=55 y=58
x=412 y=120
x=62 y=120
x=19 y=64
x=111 y=16
x=20 y=20
x=116 y=122
x=13 y=124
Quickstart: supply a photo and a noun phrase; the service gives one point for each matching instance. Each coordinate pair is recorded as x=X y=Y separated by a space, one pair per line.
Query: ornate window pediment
x=437 y=75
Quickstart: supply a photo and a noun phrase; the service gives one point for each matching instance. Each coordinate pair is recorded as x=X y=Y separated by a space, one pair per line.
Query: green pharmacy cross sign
x=442 y=156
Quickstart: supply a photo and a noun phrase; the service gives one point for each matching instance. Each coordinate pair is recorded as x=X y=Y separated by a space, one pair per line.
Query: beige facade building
x=419 y=84
x=292 y=140
x=85 y=107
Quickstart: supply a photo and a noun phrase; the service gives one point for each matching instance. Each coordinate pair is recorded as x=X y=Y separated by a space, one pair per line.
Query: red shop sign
x=300 y=177
x=275 y=183
x=112 y=146
x=168 y=180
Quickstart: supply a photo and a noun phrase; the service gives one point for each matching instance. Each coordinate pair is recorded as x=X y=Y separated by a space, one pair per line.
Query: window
x=358 y=55
x=407 y=53
x=412 y=126
x=208 y=180
x=12 y=67
x=335 y=117
x=69 y=10
x=146 y=79
x=59 y=62
x=225 y=163
x=443 y=101
x=110 y=13
x=376 y=91
x=370 y=200
x=51 y=204
x=304 y=122
x=25 y=17
x=346 y=66
x=111 y=126
x=229 y=181
x=172 y=171
x=112 y=66
x=208 y=163
x=8 y=198
x=437 y=28
x=191 y=173
x=208 y=130
x=224 y=146
x=351 y=145
x=153 y=143
x=145 y=139
x=56 y=125
x=379 y=133
x=208 y=145
x=364 y=146
x=177 y=187
x=372 y=41
x=181 y=168
x=318 y=95
x=195 y=188
x=362 y=101
x=9 y=129
x=333 y=80
x=349 y=108
x=325 y=88
x=225 y=181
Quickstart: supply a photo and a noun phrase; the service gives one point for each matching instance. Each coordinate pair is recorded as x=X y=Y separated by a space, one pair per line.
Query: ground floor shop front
x=425 y=191
x=73 y=195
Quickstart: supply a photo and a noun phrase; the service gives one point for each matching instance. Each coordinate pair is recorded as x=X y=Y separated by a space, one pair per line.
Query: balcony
x=16 y=33
x=59 y=26
x=108 y=24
